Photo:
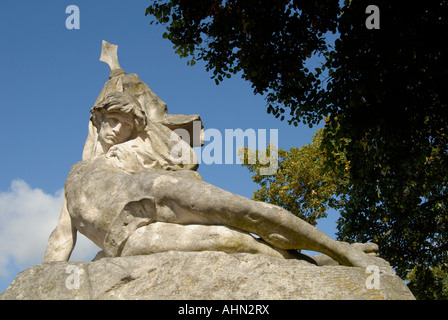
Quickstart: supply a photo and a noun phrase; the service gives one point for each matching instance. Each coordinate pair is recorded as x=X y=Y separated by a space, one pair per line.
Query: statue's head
x=119 y=117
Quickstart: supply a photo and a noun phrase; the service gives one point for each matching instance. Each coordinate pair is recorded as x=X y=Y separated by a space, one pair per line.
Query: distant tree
x=429 y=283
x=302 y=184
x=385 y=98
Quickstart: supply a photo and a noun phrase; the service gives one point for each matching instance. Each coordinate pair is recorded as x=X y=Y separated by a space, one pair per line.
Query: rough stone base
x=203 y=275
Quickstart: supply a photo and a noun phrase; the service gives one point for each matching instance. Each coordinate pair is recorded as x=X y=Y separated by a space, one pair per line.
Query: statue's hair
x=118 y=102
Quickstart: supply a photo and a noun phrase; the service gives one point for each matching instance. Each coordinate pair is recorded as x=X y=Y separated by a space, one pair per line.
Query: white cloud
x=27 y=218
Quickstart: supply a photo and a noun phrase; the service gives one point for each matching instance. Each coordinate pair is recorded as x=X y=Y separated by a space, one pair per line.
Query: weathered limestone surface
x=201 y=275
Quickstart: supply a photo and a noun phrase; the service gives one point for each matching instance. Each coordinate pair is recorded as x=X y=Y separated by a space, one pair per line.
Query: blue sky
x=51 y=76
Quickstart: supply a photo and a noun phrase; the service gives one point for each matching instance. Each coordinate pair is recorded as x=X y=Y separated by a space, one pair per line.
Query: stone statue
x=130 y=197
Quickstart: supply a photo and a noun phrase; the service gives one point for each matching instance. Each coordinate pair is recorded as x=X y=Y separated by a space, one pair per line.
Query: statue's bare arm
x=62 y=240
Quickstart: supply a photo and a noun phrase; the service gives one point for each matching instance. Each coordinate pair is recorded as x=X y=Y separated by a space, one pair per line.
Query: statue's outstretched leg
x=193 y=201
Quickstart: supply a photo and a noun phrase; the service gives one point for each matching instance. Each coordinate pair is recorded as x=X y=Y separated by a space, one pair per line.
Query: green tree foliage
x=301 y=183
x=268 y=42
x=389 y=103
x=429 y=283
x=385 y=98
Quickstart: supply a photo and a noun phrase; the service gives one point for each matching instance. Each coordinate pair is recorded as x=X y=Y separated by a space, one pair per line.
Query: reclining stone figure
x=130 y=197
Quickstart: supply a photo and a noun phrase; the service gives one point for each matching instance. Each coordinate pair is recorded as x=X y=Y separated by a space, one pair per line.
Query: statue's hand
x=125 y=158
x=114 y=152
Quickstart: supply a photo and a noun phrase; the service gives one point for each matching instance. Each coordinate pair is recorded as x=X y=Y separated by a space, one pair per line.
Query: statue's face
x=116 y=128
